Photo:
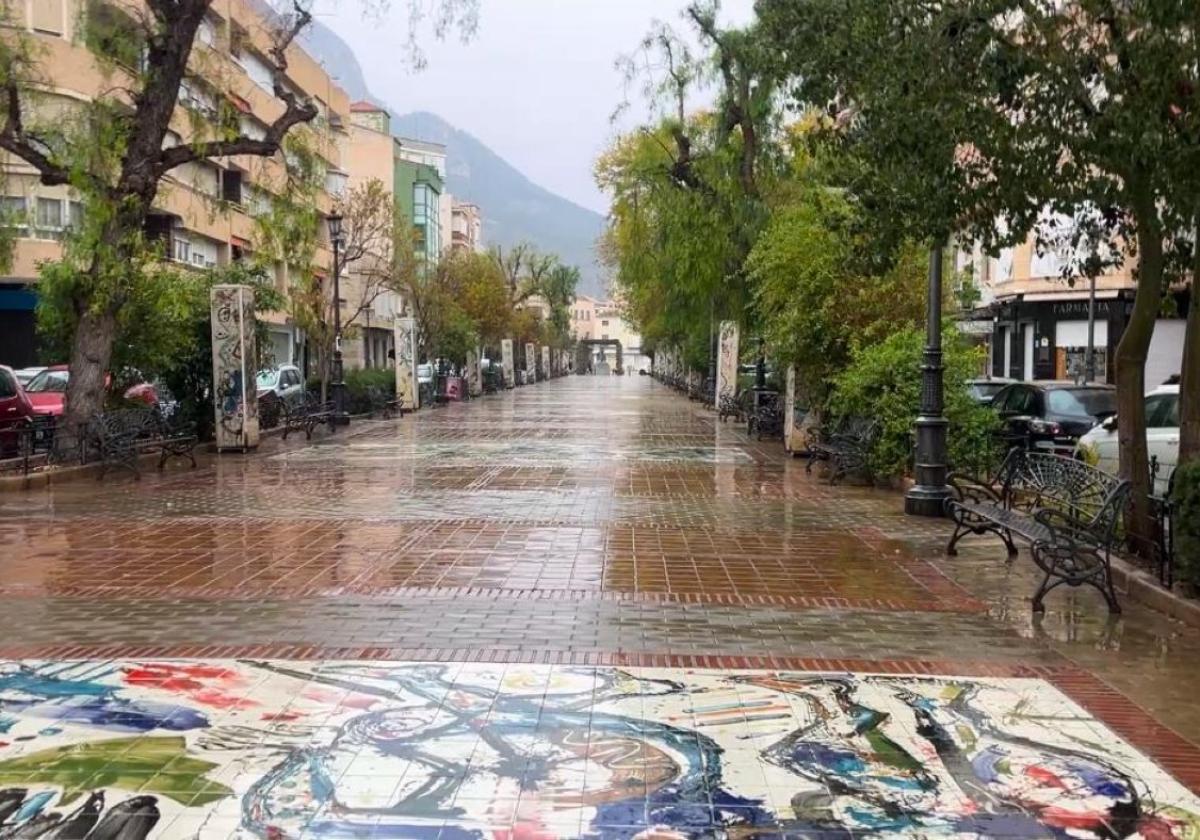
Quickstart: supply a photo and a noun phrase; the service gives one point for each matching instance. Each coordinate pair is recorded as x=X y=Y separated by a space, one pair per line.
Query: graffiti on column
x=474 y=379
x=789 y=408
x=530 y=362
x=407 y=395
x=508 y=363
x=545 y=361
x=727 y=362
x=235 y=360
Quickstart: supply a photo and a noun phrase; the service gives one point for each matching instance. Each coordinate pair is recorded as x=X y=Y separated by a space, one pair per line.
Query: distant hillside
x=514 y=208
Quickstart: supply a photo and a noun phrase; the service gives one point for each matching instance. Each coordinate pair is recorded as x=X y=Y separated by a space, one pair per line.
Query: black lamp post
x=338 y=386
x=928 y=496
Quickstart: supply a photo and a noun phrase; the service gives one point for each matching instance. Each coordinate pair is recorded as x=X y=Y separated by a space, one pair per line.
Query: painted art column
x=408 y=396
x=546 y=374
x=474 y=373
x=789 y=410
x=530 y=363
x=727 y=362
x=235 y=367
x=508 y=364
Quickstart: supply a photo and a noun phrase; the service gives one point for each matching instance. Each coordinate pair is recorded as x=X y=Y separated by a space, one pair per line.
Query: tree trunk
x=1189 y=382
x=91 y=354
x=1131 y=376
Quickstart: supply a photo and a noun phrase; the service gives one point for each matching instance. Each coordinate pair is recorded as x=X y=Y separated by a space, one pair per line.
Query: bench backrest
x=1034 y=480
x=860 y=428
x=125 y=422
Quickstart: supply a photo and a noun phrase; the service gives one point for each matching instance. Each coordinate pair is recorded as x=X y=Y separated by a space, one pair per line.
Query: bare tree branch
x=296 y=111
x=13 y=137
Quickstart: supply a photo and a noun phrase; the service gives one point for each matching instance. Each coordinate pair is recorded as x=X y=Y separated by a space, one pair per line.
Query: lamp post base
x=926 y=501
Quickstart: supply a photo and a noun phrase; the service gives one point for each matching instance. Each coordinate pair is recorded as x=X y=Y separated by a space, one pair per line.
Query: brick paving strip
x=579 y=524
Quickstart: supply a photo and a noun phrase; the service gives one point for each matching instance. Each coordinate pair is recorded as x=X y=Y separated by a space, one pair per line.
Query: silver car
x=284 y=381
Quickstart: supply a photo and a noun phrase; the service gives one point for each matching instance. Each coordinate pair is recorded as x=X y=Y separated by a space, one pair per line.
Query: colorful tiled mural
x=107 y=750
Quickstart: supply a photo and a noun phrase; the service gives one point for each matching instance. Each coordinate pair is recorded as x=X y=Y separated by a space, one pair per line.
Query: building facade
x=420 y=182
x=466 y=227
x=207 y=213
x=373 y=155
x=1035 y=321
x=604 y=320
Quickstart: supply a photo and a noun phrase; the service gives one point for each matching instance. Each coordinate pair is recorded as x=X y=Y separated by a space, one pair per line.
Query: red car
x=15 y=411
x=48 y=390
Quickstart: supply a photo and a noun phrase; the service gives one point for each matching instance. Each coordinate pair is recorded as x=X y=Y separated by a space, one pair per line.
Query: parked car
x=15 y=411
x=284 y=381
x=25 y=375
x=1099 y=446
x=48 y=391
x=983 y=390
x=1053 y=415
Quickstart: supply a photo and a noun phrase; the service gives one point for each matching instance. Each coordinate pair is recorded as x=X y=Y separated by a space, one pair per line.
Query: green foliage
x=883 y=381
x=188 y=374
x=1186 y=516
x=360 y=384
x=816 y=295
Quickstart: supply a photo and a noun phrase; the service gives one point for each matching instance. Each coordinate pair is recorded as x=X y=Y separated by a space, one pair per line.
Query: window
x=8 y=386
x=231 y=186
x=181 y=248
x=207 y=32
x=1162 y=411
x=1082 y=402
x=49 y=218
x=252 y=128
x=604 y=323
x=258 y=70
x=193 y=96
x=15 y=213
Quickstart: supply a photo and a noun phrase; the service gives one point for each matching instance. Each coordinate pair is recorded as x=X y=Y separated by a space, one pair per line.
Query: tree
x=688 y=190
x=113 y=149
x=965 y=113
x=367 y=264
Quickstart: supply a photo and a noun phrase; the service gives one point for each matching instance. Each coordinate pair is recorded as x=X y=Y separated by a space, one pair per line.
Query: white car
x=1099 y=446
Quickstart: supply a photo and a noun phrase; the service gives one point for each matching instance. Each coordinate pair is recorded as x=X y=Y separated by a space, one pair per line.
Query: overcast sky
x=537 y=82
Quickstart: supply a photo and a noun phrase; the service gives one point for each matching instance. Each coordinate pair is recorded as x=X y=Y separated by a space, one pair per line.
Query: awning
x=1074 y=294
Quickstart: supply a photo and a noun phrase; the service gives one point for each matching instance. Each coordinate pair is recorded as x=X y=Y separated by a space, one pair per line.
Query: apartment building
x=1035 y=320
x=372 y=156
x=206 y=213
x=466 y=227
x=420 y=183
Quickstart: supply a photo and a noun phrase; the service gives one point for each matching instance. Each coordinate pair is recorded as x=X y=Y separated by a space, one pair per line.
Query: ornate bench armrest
x=970 y=489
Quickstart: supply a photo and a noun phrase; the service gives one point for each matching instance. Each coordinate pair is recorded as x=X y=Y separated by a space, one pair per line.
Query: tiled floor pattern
x=596 y=524
x=268 y=748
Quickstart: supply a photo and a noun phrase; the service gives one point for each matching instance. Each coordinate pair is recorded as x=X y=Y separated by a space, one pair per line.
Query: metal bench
x=306 y=416
x=766 y=418
x=383 y=403
x=122 y=435
x=845 y=447
x=1067 y=511
x=733 y=406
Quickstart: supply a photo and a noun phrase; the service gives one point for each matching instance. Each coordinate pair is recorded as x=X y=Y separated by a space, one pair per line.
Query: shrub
x=883 y=381
x=1186 y=516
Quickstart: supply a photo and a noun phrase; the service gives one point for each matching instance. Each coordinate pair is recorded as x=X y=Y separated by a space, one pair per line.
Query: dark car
x=984 y=390
x=1052 y=415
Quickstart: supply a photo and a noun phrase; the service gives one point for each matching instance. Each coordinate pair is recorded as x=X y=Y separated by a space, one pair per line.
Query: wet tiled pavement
x=575 y=533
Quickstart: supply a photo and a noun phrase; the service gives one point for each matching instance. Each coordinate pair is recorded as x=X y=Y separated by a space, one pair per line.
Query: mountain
x=514 y=208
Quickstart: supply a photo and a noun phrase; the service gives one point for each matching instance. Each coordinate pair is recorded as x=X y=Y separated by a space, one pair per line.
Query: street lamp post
x=338 y=386
x=928 y=496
